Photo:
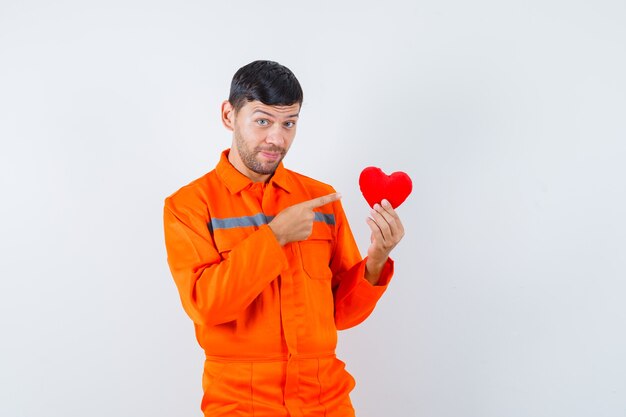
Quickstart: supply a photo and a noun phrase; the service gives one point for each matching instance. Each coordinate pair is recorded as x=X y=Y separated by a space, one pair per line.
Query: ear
x=228 y=115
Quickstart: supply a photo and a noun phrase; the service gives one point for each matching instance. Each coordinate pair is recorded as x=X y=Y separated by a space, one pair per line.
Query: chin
x=268 y=170
x=270 y=167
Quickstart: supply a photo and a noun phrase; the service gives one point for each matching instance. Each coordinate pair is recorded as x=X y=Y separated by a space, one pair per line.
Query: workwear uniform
x=267 y=315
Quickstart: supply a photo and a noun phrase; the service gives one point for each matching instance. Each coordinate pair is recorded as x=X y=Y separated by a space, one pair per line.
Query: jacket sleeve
x=215 y=290
x=355 y=297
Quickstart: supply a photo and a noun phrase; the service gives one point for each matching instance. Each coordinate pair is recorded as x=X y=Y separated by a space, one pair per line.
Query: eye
x=263 y=122
x=290 y=124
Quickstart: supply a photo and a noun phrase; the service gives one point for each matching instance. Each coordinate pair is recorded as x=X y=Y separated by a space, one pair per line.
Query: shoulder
x=310 y=186
x=192 y=195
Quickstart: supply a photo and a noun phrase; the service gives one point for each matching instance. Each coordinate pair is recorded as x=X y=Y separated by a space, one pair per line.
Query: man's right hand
x=295 y=223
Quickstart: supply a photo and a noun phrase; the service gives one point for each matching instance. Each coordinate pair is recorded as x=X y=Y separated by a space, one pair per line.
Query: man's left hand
x=387 y=231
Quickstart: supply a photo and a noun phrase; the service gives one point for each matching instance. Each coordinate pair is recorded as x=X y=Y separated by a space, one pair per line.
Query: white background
x=509 y=294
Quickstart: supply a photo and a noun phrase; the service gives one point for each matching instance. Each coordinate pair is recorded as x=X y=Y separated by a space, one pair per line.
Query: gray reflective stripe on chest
x=259 y=220
x=325 y=218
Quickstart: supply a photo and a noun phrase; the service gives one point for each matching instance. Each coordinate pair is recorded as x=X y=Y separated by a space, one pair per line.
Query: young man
x=266 y=264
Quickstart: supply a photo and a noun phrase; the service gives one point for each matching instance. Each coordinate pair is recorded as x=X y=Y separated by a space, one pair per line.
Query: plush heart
x=376 y=185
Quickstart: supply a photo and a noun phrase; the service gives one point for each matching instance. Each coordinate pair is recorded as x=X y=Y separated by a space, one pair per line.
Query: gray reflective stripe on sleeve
x=259 y=220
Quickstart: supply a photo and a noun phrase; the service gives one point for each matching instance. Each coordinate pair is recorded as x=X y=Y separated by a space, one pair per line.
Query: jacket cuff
x=276 y=251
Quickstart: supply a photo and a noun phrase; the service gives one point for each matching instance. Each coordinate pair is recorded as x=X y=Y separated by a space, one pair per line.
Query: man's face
x=262 y=136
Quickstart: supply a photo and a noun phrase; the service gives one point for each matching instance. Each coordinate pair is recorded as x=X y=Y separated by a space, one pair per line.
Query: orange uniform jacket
x=267 y=315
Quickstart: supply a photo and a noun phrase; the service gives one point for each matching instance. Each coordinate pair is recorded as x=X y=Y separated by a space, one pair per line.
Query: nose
x=275 y=136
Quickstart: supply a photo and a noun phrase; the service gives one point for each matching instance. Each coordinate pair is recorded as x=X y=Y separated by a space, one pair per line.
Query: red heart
x=376 y=185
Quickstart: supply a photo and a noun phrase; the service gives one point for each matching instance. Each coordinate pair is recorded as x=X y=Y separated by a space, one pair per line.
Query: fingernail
x=386 y=203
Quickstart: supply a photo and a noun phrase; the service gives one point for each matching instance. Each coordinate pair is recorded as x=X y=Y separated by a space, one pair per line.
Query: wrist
x=277 y=235
x=373 y=269
x=375 y=264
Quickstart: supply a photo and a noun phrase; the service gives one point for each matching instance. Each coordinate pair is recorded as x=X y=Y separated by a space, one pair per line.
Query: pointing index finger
x=323 y=200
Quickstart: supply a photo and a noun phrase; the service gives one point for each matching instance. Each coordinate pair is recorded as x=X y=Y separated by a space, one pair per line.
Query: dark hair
x=265 y=81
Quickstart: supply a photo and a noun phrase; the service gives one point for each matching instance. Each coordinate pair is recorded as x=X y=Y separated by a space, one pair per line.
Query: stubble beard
x=249 y=157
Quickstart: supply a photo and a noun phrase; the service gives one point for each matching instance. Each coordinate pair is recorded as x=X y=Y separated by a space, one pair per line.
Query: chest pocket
x=316 y=252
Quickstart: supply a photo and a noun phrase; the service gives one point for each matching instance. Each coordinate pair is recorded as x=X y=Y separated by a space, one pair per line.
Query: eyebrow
x=291 y=116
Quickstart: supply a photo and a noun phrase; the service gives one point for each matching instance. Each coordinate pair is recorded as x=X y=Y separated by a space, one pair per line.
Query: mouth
x=271 y=155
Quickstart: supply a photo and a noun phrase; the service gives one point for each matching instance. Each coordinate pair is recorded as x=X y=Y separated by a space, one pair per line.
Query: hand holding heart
x=383 y=193
x=387 y=231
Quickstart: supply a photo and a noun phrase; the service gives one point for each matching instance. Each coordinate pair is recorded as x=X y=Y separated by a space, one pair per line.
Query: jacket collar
x=235 y=181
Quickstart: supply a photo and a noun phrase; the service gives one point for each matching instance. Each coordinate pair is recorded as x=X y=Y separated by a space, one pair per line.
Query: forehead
x=251 y=107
